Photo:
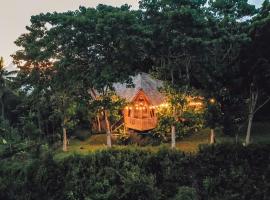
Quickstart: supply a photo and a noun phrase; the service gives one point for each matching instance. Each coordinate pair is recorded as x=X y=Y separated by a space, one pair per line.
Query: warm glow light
x=163 y=105
x=195 y=103
x=212 y=100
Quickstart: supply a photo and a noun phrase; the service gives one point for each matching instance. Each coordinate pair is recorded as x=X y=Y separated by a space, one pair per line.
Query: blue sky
x=15 y=15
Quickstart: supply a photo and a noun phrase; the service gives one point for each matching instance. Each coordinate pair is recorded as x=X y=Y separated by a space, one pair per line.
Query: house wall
x=139 y=114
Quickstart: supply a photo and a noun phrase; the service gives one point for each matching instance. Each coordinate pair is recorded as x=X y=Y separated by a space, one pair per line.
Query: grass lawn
x=260 y=134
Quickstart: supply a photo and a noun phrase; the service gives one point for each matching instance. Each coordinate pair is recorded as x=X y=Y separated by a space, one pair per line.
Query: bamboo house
x=143 y=99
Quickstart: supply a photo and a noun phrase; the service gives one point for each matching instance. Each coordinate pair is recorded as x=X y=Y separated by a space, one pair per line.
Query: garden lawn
x=260 y=134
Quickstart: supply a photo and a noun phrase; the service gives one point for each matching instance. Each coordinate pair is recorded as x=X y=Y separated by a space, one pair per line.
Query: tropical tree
x=88 y=49
x=255 y=66
x=228 y=23
x=5 y=79
x=176 y=31
x=115 y=55
x=2 y=86
x=213 y=117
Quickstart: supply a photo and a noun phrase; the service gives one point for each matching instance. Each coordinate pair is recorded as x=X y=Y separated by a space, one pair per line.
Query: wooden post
x=212 y=136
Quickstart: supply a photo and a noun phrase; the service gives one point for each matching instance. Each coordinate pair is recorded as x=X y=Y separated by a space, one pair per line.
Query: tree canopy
x=218 y=48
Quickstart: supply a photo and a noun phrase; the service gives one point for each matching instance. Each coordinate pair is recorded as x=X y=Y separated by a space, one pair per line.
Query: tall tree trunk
x=212 y=136
x=173 y=136
x=250 y=119
x=39 y=120
x=2 y=108
x=252 y=105
x=64 y=135
x=172 y=77
x=108 y=129
x=187 y=63
x=98 y=123
x=52 y=138
x=237 y=138
x=173 y=129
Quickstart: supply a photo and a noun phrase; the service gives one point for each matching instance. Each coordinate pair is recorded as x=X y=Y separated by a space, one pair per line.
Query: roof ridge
x=145 y=82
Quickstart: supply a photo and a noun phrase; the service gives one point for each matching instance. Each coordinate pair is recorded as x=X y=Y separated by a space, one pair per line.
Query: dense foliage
x=216 y=172
x=68 y=63
x=216 y=51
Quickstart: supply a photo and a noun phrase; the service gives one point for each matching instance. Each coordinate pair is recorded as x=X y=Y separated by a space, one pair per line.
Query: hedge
x=215 y=173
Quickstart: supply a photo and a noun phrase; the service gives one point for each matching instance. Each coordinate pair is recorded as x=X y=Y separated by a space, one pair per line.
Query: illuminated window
x=136 y=113
x=145 y=113
x=152 y=113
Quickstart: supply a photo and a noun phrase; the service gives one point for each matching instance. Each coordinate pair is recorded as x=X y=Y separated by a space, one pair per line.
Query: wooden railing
x=141 y=124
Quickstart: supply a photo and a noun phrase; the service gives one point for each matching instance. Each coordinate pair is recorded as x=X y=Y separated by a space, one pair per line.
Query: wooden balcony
x=140 y=124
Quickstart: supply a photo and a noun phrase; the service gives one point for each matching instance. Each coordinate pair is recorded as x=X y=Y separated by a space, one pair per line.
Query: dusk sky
x=15 y=15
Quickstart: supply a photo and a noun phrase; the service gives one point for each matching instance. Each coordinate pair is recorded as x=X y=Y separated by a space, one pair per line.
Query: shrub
x=138 y=139
x=8 y=134
x=226 y=172
x=30 y=129
x=186 y=193
x=82 y=134
x=190 y=123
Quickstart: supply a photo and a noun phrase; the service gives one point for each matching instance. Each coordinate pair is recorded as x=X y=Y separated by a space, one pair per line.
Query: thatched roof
x=145 y=82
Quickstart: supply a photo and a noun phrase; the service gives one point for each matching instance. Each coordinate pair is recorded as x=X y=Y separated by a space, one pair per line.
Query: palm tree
x=5 y=78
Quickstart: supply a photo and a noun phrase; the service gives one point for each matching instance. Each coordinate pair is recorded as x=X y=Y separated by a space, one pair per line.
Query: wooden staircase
x=120 y=123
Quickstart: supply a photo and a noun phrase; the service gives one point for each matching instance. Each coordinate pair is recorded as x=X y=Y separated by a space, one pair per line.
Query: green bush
x=190 y=123
x=8 y=134
x=30 y=130
x=186 y=193
x=123 y=140
x=82 y=134
x=226 y=172
x=138 y=139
